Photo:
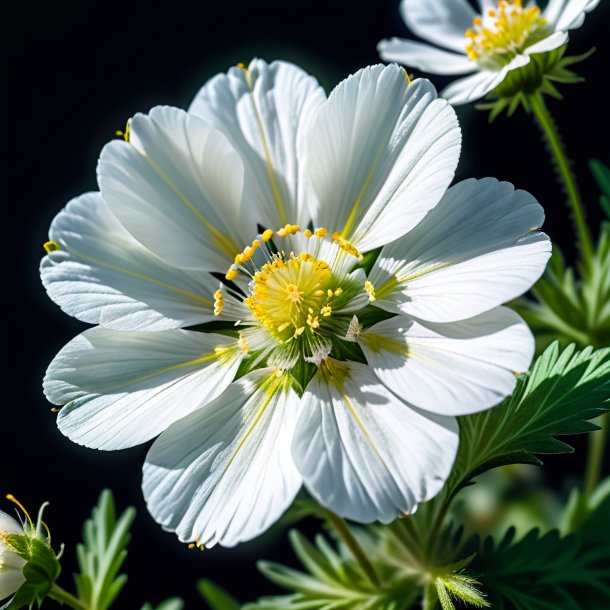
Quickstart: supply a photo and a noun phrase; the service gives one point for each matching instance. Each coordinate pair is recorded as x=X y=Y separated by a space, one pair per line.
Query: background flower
x=491 y=43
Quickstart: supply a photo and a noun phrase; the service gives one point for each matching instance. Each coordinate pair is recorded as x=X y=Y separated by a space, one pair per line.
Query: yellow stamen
x=267 y=235
x=50 y=246
x=370 y=290
x=231 y=274
x=14 y=500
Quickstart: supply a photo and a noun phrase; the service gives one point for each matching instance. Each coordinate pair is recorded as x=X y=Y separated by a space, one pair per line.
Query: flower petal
x=366 y=454
x=451 y=369
x=478 y=248
x=224 y=474
x=549 y=43
x=264 y=111
x=102 y=275
x=124 y=388
x=177 y=188
x=11 y=577
x=424 y=57
x=8 y=525
x=568 y=14
x=476 y=86
x=380 y=153
x=443 y=22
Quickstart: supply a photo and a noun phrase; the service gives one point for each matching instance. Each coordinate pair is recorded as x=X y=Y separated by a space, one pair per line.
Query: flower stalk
x=63 y=597
x=560 y=159
x=343 y=531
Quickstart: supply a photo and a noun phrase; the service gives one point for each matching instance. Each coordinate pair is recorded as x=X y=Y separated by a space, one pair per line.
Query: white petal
x=9 y=525
x=424 y=57
x=265 y=112
x=452 y=369
x=177 y=188
x=102 y=275
x=380 y=153
x=122 y=388
x=568 y=14
x=225 y=474
x=476 y=86
x=364 y=453
x=11 y=579
x=549 y=43
x=443 y=22
x=477 y=249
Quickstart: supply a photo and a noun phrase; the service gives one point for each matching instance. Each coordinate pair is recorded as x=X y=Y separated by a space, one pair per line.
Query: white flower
x=501 y=38
x=281 y=190
x=11 y=564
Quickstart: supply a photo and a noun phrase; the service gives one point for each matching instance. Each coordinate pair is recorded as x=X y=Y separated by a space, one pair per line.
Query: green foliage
x=564 y=390
x=547 y=572
x=174 y=603
x=601 y=173
x=539 y=76
x=573 y=308
x=102 y=554
x=216 y=597
x=333 y=581
x=41 y=570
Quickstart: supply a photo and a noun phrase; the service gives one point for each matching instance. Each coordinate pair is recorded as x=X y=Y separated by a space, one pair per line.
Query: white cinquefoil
x=487 y=46
x=307 y=364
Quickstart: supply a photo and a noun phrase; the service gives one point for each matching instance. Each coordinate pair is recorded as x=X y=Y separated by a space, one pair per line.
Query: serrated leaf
x=102 y=553
x=216 y=597
x=544 y=572
x=564 y=390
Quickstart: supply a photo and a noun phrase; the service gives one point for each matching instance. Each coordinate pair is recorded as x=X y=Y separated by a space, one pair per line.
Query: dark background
x=75 y=75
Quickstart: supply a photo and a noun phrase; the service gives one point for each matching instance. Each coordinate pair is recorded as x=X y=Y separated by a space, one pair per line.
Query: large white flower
x=298 y=367
x=11 y=564
x=503 y=37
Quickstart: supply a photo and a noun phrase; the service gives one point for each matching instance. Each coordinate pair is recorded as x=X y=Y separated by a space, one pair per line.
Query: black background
x=72 y=77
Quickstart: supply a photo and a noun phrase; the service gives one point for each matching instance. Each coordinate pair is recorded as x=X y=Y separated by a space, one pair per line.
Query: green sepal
x=216 y=597
x=41 y=570
x=537 y=77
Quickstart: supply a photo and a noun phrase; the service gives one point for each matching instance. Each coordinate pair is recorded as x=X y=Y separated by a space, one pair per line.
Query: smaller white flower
x=503 y=37
x=11 y=564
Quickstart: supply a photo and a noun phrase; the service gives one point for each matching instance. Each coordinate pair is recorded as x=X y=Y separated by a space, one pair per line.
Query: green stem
x=436 y=529
x=353 y=545
x=63 y=597
x=553 y=140
x=595 y=455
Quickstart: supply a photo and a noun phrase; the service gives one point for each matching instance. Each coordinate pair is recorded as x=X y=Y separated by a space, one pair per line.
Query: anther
x=50 y=246
x=370 y=290
x=267 y=235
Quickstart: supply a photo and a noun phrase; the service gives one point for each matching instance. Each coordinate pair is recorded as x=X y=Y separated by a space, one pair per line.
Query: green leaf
x=41 y=571
x=102 y=553
x=333 y=580
x=601 y=173
x=216 y=597
x=564 y=390
x=174 y=603
x=548 y=572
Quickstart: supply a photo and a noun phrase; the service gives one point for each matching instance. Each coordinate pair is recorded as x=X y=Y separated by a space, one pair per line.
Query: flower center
x=499 y=35
x=292 y=292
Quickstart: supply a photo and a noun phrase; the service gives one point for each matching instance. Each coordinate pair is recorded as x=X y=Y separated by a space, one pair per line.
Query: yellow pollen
x=293 y=293
x=267 y=235
x=231 y=274
x=370 y=290
x=321 y=232
x=307 y=233
x=50 y=246
x=218 y=302
x=124 y=134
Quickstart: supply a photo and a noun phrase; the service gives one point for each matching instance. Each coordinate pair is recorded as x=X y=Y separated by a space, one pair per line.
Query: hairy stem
x=353 y=545
x=63 y=597
x=560 y=159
